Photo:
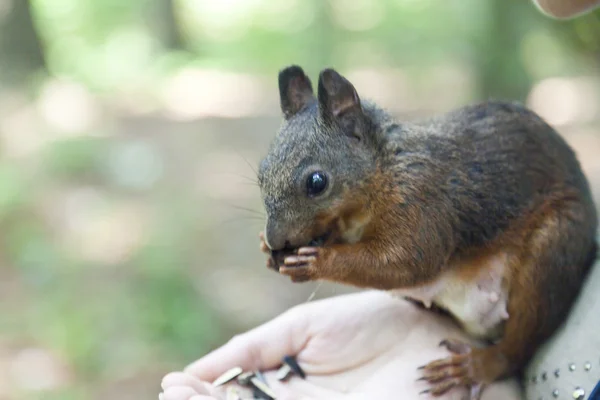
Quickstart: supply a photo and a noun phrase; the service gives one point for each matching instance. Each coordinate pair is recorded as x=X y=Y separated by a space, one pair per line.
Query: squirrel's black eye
x=316 y=183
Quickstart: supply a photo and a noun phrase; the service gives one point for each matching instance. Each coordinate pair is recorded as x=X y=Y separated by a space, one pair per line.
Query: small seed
x=294 y=366
x=263 y=390
x=260 y=376
x=233 y=394
x=284 y=372
x=244 y=379
x=227 y=376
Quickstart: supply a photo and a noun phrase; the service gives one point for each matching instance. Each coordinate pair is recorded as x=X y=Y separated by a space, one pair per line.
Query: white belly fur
x=479 y=303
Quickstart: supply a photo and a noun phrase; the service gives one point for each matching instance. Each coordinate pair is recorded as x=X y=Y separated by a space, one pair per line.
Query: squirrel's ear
x=337 y=97
x=295 y=90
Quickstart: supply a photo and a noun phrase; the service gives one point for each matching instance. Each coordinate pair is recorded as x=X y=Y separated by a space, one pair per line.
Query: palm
x=369 y=343
x=366 y=345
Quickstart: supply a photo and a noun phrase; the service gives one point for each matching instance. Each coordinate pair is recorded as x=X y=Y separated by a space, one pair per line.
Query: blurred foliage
x=107 y=44
x=111 y=318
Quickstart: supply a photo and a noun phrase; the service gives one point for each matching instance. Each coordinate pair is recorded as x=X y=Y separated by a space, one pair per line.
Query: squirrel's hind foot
x=453 y=372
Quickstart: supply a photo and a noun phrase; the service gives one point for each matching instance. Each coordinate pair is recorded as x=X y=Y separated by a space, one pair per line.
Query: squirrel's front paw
x=302 y=267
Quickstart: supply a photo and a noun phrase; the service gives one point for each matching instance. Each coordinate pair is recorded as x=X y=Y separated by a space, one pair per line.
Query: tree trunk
x=502 y=75
x=167 y=27
x=21 y=52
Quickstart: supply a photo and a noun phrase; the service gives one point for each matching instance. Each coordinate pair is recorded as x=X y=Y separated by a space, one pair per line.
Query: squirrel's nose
x=275 y=236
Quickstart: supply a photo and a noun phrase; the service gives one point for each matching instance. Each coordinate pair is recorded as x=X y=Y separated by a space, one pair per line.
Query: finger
x=183 y=379
x=562 y=9
x=179 y=393
x=260 y=348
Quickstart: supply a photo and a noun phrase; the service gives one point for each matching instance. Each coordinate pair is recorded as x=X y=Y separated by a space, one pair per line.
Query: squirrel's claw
x=452 y=372
x=301 y=266
x=308 y=251
x=298 y=261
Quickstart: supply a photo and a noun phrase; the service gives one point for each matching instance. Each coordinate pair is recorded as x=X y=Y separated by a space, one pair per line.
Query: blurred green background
x=129 y=135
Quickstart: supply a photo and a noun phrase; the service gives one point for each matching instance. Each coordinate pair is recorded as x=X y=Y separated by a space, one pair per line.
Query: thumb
x=261 y=348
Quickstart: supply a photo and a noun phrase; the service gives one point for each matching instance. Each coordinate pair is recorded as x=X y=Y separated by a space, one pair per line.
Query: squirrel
x=483 y=212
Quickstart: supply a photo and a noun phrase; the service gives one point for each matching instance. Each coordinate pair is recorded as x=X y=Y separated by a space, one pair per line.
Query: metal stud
x=571 y=367
x=557 y=372
x=544 y=376
x=555 y=393
x=587 y=366
x=579 y=393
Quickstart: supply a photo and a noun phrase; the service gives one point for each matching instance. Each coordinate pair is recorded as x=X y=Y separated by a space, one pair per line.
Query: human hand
x=566 y=9
x=360 y=346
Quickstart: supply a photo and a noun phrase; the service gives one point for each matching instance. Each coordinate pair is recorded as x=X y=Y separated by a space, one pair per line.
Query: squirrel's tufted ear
x=295 y=90
x=338 y=100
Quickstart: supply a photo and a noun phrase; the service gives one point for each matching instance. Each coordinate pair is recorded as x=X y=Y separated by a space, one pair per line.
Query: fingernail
x=291 y=260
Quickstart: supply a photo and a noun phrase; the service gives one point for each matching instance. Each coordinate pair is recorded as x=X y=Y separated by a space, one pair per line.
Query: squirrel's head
x=322 y=155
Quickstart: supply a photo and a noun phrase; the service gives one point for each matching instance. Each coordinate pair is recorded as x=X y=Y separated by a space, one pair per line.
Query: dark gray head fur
x=333 y=132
